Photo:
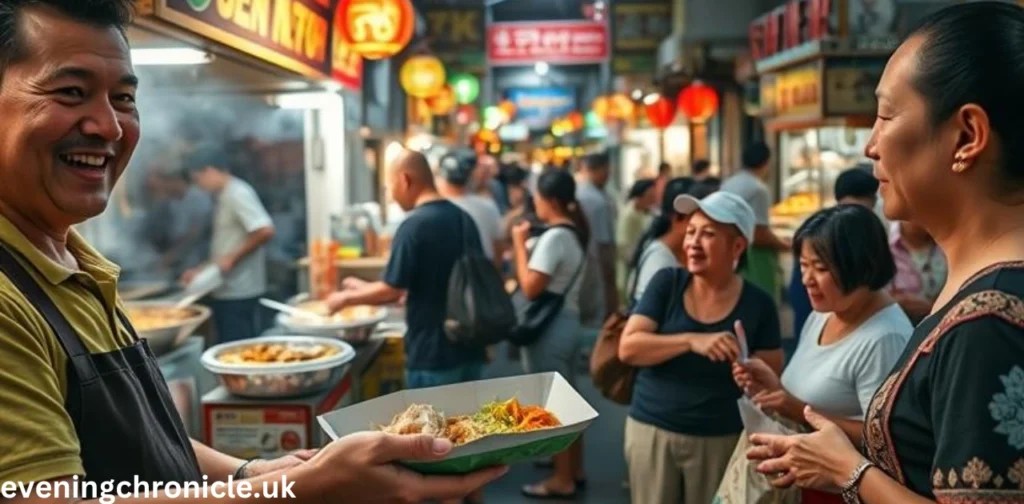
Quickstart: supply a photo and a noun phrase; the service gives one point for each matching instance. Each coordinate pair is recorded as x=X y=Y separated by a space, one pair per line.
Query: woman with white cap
x=683 y=421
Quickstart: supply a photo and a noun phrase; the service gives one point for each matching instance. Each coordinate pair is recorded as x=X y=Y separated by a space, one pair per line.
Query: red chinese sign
x=786 y=27
x=562 y=42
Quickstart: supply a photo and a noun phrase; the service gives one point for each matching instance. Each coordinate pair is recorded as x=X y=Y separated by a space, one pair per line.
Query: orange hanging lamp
x=442 y=103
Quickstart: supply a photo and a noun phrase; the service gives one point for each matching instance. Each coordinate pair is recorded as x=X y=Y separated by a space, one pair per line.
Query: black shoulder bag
x=539 y=313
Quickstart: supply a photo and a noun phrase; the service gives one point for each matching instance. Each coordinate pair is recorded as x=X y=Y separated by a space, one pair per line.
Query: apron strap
x=80 y=359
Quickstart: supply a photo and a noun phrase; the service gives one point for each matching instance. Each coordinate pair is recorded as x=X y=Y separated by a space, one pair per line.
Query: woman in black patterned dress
x=948 y=145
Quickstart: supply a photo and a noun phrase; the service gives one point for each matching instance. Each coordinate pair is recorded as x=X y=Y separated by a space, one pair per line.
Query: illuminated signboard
x=294 y=34
x=789 y=26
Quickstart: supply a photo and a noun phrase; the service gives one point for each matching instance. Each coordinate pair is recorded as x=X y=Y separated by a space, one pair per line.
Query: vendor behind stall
x=241 y=229
x=81 y=396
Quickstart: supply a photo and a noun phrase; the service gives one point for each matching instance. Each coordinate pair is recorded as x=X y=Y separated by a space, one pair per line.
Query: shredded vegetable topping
x=499 y=417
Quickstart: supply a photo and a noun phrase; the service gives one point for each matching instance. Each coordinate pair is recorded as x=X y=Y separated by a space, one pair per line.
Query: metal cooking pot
x=164 y=339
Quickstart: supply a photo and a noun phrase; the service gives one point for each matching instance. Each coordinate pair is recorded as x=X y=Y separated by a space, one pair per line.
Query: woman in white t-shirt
x=855 y=335
x=555 y=265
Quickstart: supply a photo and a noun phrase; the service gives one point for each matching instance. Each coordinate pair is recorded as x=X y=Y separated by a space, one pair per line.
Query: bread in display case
x=809 y=162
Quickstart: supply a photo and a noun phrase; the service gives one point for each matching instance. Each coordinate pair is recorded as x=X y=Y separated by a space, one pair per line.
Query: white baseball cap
x=722 y=207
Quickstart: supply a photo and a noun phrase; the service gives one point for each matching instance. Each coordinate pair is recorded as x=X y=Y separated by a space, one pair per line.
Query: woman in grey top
x=855 y=335
x=555 y=265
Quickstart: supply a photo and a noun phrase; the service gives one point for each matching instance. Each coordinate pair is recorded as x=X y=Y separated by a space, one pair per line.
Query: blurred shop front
x=707 y=38
x=270 y=88
x=638 y=27
x=817 y=66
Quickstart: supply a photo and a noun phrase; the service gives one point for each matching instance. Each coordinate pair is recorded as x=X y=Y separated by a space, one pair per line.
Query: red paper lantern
x=465 y=114
x=660 y=111
x=698 y=102
x=376 y=29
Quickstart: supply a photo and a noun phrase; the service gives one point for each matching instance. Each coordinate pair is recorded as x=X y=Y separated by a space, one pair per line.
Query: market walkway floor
x=606 y=467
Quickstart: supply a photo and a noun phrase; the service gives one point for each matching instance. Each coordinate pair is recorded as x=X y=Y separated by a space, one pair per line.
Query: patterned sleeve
x=977 y=411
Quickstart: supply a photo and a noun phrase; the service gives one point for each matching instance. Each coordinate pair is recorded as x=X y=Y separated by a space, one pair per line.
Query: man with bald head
x=433 y=236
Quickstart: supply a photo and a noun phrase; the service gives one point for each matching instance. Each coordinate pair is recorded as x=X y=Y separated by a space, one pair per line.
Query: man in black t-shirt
x=423 y=253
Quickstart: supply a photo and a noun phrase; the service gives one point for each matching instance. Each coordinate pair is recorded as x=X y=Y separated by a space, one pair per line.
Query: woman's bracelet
x=851 y=490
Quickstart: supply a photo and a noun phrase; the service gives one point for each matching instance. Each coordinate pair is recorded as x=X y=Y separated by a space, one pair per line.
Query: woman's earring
x=960 y=165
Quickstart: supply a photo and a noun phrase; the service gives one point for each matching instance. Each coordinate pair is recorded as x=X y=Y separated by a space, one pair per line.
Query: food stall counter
x=271 y=427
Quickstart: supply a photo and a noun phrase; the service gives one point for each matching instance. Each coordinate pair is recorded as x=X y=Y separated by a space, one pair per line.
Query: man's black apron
x=126 y=423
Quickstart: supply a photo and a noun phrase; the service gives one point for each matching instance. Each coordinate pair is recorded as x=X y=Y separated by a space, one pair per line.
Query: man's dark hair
x=701 y=166
x=457 y=166
x=206 y=156
x=756 y=155
x=664 y=169
x=512 y=174
x=639 y=188
x=116 y=13
x=853 y=244
x=856 y=183
x=598 y=161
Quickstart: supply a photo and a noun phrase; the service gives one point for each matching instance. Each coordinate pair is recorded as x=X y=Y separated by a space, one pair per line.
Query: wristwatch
x=851 y=490
x=240 y=473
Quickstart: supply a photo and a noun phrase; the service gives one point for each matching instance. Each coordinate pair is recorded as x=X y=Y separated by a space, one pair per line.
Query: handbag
x=537 y=314
x=612 y=377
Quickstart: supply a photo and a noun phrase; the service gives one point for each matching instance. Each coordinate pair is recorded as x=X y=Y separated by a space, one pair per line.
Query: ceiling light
x=311 y=100
x=541 y=68
x=171 y=56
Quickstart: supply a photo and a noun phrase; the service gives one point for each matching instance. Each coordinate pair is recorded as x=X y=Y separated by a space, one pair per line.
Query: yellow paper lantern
x=422 y=76
x=602 y=107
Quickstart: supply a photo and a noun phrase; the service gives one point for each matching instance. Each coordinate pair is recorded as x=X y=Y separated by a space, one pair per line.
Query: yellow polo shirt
x=37 y=438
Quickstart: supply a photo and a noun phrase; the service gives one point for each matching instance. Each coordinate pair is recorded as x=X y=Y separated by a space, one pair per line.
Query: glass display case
x=809 y=162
